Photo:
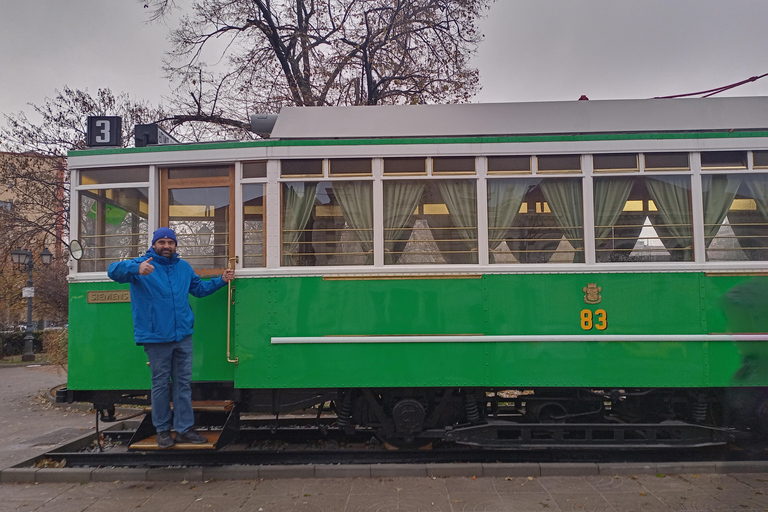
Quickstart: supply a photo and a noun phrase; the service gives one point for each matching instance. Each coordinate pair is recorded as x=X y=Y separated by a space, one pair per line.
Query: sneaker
x=164 y=439
x=190 y=436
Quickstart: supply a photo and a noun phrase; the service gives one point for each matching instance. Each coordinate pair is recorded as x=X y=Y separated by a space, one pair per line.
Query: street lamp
x=23 y=259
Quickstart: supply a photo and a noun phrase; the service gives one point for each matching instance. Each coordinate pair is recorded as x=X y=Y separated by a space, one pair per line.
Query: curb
x=495 y=470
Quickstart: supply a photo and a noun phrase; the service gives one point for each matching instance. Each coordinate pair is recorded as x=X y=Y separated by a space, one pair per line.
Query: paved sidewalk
x=642 y=493
x=31 y=425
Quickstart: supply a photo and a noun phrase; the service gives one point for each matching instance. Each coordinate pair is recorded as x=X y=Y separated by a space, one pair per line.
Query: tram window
x=405 y=166
x=666 y=162
x=350 y=166
x=113 y=226
x=302 y=167
x=253 y=225
x=200 y=217
x=114 y=175
x=430 y=222
x=760 y=159
x=643 y=218
x=615 y=163
x=453 y=165
x=535 y=220
x=559 y=163
x=509 y=164
x=723 y=159
x=255 y=169
x=327 y=223
x=735 y=216
x=197 y=172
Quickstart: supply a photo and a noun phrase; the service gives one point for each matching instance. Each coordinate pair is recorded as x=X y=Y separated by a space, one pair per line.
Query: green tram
x=460 y=271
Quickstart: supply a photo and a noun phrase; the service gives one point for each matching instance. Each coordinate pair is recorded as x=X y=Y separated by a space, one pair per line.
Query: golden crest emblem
x=592 y=293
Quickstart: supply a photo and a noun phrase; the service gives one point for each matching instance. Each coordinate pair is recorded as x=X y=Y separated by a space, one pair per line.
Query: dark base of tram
x=631 y=419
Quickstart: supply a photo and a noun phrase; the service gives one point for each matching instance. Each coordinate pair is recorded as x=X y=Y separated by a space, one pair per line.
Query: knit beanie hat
x=164 y=233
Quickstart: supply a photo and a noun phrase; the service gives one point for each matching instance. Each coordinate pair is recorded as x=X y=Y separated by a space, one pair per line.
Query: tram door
x=197 y=203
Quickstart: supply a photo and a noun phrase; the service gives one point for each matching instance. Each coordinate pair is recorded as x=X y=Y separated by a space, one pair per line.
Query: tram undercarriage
x=498 y=419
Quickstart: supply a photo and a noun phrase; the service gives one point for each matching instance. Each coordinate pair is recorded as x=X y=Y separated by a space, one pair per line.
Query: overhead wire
x=716 y=90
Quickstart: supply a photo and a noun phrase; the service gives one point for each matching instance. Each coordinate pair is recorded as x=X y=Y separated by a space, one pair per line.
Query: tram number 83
x=598 y=319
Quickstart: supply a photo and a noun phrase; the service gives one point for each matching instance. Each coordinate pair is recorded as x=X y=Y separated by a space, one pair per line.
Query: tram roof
x=504 y=119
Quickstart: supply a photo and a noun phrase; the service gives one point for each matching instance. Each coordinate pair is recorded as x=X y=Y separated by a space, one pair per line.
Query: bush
x=12 y=343
x=55 y=345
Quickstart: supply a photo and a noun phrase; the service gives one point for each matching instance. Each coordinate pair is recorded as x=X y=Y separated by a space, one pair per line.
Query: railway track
x=312 y=441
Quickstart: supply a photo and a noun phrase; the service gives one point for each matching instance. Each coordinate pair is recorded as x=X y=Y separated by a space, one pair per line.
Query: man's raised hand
x=146 y=268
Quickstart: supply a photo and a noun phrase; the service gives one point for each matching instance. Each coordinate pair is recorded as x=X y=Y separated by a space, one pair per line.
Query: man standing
x=162 y=323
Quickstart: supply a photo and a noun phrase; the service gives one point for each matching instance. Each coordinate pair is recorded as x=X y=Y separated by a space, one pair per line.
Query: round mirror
x=76 y=249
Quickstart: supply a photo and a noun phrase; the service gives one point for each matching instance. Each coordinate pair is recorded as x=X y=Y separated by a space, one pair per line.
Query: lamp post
x=25 y=262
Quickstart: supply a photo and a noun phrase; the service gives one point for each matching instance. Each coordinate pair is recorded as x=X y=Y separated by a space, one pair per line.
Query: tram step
x=145 y=436
x=150 y=443
x=213 y=405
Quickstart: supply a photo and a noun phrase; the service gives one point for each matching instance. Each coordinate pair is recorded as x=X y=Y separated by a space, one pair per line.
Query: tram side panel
x=104 y=356
x=739 y=304
x=512 y=304
x=598 y=305
x=315 y=308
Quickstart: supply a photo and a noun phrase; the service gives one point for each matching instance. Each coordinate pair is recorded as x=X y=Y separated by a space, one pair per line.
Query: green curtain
x=565 y=201
x=671 y=194
x=504 y=200
x=460 y=197
x=298 y=200
x=400 y=201
x=356 y=201
x=718 y=192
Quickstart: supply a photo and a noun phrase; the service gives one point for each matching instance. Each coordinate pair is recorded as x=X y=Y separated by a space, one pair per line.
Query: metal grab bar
x=229 y=311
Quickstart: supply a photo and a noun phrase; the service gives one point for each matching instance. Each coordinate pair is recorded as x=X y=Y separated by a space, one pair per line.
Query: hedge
x=12 y=343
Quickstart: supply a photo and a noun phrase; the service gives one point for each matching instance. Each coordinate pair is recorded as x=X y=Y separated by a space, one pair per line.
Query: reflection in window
x=200 y=217
x=535 y=220
x=430 y=222
x=113 y=226
x=253 y=225
x=114 y=175
x=327 y=223
x=643 y=219
x=736 y=217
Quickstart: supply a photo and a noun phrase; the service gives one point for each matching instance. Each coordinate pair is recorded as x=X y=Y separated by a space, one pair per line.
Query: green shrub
x=12 y=343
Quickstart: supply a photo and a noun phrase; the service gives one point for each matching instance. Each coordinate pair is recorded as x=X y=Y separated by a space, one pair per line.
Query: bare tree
x=236 y=57
x=34 y=181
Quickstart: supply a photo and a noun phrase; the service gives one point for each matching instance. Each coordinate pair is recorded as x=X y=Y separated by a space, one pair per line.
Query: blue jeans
x=171 y=362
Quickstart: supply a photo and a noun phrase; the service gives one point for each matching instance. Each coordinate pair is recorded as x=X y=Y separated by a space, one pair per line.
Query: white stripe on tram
x=519 y=338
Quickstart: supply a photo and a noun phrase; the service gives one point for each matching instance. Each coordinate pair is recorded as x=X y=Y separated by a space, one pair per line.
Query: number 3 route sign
x=105 y=131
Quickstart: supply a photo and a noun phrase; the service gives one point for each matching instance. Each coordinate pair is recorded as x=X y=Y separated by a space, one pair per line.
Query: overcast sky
x=534 y=50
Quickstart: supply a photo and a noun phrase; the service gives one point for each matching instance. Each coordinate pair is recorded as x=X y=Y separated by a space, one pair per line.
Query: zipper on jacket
x=173 y=301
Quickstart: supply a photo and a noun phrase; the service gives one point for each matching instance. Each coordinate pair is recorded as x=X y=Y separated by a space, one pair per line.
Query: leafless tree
x=34 y=181
x=236 y=57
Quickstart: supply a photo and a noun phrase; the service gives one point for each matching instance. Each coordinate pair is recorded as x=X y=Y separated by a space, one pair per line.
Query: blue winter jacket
x=160 y=301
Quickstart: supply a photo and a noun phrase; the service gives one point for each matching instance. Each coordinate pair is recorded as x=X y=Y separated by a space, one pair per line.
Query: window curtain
x=718 y=192
x=356 y=201
x=758 y=187
x=298 y=200
x=611 y=195
x=460 y=197
x=400 y=201
x=504 y=200
x=671 y=194
x=565 y=201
